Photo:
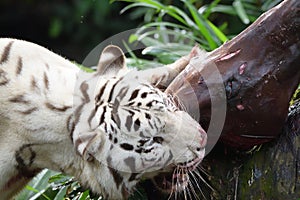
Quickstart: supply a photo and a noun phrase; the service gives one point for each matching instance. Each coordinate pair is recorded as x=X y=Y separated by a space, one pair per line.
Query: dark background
x=70 y=28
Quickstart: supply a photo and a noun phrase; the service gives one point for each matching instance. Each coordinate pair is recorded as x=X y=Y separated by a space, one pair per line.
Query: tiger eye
x=158 y=139
x=144 y=95
x=126 y=146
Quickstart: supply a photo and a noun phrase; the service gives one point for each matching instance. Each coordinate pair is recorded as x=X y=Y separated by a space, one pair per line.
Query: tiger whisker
x=199 y=175
x=198 y=186
x=192 y=188
x=184 y=187
x=203 y=170
x=172 y=184
x=176 y=185
x=187 y=188
x=135 y=190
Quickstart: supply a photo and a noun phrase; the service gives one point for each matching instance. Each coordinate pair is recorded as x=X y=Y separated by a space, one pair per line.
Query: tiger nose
x=203 y=136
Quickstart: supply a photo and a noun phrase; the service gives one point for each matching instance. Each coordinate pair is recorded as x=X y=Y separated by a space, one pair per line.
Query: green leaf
x=142 y=63
x=167 y=24
x=58 y=178
x=180 y=16
x=208 y=9
x=130 y=6
x=38 y=193
x=270 y=4
x=168 y=53
x=39 y=183
x=84 y=195
x=149 y=41
x=173 y=48
x=200 y=21
x=224 y=9
x=132 y=55
x=133 y=38
x=237 y=4
x=61 y=194
x=296 y=96
x=218 y=32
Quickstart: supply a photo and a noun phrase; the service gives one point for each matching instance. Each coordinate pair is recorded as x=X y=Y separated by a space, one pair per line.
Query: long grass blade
x=202 y=26
x=237 y=4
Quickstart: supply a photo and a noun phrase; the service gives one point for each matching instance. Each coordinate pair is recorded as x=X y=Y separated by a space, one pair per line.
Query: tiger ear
x=111 y=60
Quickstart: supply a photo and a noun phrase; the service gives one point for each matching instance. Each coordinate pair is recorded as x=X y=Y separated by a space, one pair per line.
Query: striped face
x=132 y=118
x=131 y=127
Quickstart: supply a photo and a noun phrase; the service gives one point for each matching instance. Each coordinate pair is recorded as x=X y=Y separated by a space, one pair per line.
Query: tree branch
x=260 y=69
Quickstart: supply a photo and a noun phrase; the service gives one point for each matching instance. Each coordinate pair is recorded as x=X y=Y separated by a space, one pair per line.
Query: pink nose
x=203 y=136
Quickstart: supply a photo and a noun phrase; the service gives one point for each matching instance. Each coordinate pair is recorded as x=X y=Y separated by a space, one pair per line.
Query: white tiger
x=108 y=129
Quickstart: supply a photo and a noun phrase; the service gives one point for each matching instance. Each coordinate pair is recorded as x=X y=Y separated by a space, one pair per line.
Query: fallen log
x=260 y=71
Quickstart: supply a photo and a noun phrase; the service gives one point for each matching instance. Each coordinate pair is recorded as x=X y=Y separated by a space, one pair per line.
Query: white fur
x=46 y=130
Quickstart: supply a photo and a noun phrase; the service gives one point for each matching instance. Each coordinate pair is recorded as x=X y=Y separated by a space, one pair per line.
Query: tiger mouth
x=190 y=165
x=178 y=178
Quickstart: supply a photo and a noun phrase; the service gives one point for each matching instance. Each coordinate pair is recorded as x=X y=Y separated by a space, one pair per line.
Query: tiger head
x=127 y=129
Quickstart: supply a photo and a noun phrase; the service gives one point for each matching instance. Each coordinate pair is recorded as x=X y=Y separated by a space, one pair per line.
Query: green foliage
x=50 y=185
x=190 y=25
x=169 y=31
x=37 y=187
x=296 y=96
